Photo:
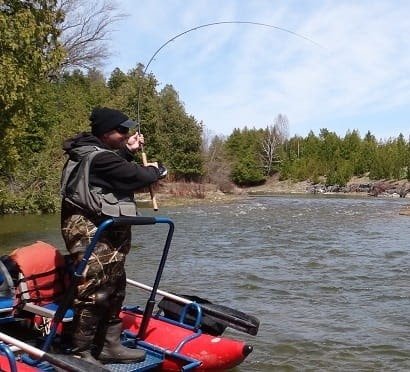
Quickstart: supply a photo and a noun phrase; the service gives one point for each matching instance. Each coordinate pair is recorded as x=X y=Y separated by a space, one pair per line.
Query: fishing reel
x=162 y=171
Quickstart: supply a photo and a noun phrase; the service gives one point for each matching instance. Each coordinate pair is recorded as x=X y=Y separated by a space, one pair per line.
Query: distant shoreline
x=362 y=187
x=208 y=194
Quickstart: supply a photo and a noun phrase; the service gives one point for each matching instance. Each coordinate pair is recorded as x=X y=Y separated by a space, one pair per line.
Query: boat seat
x=6 y=309
x=6 y=295
x=42 y=281
x=44 y=309
x=6 y=304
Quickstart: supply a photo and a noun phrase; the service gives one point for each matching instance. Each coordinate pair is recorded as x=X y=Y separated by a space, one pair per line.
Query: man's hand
x=135 y=142
x=153 y=164
x=161 y=169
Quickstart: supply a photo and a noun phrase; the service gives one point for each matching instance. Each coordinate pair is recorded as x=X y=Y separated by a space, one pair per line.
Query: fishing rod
x=209 y=25
x=143 y=155
x=145 y=163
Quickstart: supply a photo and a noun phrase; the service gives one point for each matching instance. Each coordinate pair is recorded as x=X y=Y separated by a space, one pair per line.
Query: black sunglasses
x=122 y=130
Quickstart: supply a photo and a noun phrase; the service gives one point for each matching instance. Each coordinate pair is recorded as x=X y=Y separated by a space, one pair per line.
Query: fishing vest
x=76 y=188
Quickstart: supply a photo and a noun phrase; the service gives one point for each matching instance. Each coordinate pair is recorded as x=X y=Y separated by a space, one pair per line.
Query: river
x=328 y=277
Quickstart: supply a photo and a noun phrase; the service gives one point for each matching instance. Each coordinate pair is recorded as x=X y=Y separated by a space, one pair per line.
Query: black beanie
x=104 y=119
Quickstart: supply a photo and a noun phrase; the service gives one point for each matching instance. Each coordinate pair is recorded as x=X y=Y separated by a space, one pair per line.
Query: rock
x=405 y=211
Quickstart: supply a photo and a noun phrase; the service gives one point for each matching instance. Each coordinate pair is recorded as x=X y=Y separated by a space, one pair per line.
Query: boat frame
x=155 y=353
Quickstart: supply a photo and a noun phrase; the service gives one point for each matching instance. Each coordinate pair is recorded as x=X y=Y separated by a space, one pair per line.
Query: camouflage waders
x=101 y=293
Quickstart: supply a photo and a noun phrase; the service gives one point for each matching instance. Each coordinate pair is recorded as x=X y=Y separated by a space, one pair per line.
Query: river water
x=328 y=277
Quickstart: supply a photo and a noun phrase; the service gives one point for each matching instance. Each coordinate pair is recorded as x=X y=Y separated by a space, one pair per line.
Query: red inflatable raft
x=21 y=367
x=213 y=352
x=187 y=336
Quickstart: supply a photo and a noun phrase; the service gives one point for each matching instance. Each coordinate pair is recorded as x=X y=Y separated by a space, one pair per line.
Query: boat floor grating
x=152 y=360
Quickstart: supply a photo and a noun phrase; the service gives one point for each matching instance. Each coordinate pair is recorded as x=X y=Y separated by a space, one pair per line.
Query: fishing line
x=203 y=26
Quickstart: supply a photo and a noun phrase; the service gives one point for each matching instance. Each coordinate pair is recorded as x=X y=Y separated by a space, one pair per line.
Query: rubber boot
x=83 y=349
x=84 y=330
x=113 y=351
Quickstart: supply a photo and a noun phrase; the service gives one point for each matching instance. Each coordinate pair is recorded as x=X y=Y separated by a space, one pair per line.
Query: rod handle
x=151 y=191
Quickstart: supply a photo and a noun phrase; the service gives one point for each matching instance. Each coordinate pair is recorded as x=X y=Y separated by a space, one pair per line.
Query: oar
x=239 y=321
x=66 y=362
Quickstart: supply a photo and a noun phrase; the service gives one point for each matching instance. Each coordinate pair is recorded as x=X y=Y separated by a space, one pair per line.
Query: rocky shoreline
x=379 y=188
x=360 y=187
x=195 y=194
x=357 y=186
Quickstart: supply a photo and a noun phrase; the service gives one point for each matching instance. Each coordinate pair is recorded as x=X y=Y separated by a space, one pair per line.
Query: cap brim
x=128 y=124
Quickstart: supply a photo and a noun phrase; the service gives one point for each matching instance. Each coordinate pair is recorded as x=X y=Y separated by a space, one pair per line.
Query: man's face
x=116 y=138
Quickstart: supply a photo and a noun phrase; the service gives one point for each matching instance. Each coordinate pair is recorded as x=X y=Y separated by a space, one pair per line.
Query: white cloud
x=235 y=75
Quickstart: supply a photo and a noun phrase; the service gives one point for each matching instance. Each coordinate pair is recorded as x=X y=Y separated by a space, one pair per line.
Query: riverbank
x=182 y=194
x=361 y=186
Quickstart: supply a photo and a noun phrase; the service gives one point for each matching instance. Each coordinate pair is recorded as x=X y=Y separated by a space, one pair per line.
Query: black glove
x=162 y=171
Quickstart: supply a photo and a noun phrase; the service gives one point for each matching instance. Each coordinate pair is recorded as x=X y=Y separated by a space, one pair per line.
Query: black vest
x=76 y=188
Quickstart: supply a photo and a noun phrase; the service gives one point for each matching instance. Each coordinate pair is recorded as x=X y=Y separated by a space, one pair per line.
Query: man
x=98 y=181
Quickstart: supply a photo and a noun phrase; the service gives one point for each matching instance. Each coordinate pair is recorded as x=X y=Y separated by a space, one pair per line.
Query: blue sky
x=235 y=75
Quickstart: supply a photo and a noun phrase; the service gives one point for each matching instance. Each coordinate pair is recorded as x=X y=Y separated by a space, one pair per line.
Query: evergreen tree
x=182 y=135
x=244 y=153
x=30 y=53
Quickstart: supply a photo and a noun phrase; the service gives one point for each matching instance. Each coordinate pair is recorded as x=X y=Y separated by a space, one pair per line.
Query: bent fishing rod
x=143 y=155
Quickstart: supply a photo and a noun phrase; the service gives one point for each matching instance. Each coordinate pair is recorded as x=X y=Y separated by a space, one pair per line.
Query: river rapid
x=328 y=277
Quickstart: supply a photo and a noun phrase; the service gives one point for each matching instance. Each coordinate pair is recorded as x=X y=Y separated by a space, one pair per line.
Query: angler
x=99 y=181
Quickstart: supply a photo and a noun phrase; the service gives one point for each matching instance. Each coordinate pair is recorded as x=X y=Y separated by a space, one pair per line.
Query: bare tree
x=275 y=136
x=217 y=167
x=85 y=31
x=207 y=136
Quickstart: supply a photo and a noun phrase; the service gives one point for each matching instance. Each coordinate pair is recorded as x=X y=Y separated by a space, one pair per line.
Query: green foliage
x=340 y=174
x=116 y=80
x=40 y=107
x=61 y=108
x=173 y=137
x=30 y=53
x=301 y=169
x=338 y=159
x=247 y=172
x=181 y=137
x=243 y=148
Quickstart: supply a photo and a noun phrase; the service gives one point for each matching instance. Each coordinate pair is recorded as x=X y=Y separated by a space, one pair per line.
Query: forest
x=50 y=81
